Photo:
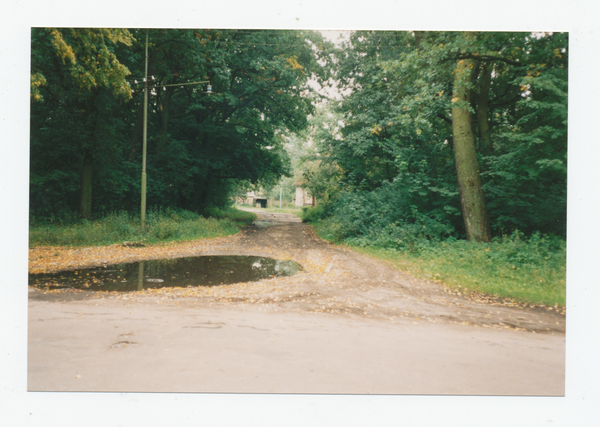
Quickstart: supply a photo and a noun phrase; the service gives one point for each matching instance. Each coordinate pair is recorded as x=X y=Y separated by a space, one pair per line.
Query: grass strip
x=528 y=271
x=161 y=226
x=290 y=209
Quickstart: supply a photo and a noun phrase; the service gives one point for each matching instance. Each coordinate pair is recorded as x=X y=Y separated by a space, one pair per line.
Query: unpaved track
x=348 y=324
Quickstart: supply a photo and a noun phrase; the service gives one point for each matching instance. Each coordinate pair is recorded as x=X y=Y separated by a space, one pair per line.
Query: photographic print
x=298 y=211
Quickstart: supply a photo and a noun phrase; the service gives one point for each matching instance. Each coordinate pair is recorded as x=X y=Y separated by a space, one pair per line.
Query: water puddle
x=179 y=272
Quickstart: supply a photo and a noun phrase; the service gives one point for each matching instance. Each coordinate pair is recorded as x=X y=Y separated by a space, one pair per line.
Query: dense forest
x=87 y=99
x=444 y=134
x=438 y=134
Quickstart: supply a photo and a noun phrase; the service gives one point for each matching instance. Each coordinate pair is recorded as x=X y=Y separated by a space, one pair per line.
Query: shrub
x=312 y=213
x=379 y=218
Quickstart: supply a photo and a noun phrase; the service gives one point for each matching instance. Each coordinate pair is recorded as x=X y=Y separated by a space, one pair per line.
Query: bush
x=529 y=269
x=312 y=213
x=538 y=250
x=380 y=218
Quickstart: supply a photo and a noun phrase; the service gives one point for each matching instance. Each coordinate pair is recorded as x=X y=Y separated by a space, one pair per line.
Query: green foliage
x=314 y=169
x=284 y=188
x=312 y=214
x=396 y=142
x=81 y=112
x=396 y=192
x=199 y=146
x=530 y=270
x=87 y=58
x=236 y=215
x=385 y=217
x=526 y=176
x=162 y=225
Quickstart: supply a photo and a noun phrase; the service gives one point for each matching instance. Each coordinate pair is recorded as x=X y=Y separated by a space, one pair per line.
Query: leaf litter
x=335 y=280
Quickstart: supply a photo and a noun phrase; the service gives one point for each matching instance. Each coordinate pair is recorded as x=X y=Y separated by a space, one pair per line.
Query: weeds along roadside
x=162 y=225
x=524 y=269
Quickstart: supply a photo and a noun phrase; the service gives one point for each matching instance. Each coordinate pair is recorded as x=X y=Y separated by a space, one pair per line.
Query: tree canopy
x=87 y=103
x=416 y=98
x=459 y=134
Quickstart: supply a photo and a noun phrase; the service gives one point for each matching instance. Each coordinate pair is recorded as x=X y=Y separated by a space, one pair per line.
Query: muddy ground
x=335 y=280
x=347 y=324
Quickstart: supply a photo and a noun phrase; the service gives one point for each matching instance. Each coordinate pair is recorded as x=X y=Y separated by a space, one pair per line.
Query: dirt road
x=347 y=324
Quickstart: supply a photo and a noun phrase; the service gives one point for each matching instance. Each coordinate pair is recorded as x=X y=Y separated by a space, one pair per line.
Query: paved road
x=81 y=346
x=93 y=344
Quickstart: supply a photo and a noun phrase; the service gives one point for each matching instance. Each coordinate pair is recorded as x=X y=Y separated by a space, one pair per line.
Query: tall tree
x=260 y=92
x=199 y=145
x=83 y=66
x=442 y=117
x=467 y=168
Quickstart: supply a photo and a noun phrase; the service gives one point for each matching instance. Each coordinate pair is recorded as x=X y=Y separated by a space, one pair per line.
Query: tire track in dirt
x=336 y=280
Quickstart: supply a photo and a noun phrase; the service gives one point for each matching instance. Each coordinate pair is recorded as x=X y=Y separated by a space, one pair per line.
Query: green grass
x=161 y=226
x=233 y=214
x=312 y=214
x=525 y=270
x=290 y=209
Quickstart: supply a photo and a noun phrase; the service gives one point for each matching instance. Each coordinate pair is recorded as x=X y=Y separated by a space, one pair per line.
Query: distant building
x=257 y=199
x=303 y=198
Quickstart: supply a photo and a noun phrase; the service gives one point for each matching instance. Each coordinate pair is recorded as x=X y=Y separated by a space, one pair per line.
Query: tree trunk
x=85 y=206
x=485 y=141
x=465 y=157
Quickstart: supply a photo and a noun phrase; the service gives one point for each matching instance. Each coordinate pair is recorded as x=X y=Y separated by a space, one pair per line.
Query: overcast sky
x=334 y=35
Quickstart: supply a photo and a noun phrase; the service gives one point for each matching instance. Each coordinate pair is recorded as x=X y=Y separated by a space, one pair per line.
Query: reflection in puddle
x=180 y=272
